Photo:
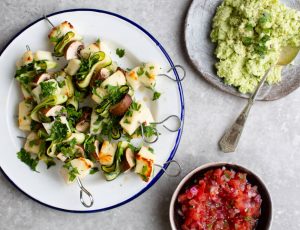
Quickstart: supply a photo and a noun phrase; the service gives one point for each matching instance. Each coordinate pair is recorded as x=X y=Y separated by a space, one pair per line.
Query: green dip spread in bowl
x=249 y=35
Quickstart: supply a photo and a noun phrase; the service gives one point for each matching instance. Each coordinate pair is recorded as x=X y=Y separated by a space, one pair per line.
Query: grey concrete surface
x=270 y=144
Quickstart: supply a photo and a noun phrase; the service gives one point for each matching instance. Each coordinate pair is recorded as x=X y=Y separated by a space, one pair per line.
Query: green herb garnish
x=47 y=88
x=120 y=52
x=156 y=95
x=133 y=107
x=140 y=71
x=72 y=171
x=94 y=170
x=247 y=41
x=264 y=18
x=58 y=131
x=25 y=157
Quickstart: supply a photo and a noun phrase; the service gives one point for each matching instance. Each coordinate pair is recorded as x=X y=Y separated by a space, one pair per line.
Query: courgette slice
x=49 y=101
x=68 y=88
x=59 y=47
x=108 y=169
x=111 y=175
x=115 y=133
x=103 y=108
x=73 y=102
x=104 y=60
x=44 y=65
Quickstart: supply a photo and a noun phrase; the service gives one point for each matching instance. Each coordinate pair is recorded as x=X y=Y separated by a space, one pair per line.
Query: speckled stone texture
x=269 y=146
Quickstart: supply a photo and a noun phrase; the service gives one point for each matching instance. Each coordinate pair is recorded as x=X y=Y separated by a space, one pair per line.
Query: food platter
x=201 y=52
x=47 y=187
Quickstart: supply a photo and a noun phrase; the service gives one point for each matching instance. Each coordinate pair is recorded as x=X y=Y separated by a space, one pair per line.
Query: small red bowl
x=264 y=221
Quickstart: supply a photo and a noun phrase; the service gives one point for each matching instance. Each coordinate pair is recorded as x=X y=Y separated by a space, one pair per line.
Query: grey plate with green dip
x=201 y=51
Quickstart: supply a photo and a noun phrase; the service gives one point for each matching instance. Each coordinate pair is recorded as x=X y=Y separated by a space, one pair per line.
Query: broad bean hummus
x=249 y=35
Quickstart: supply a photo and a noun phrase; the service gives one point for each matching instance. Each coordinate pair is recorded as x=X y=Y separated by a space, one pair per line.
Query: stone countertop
x=269 y=146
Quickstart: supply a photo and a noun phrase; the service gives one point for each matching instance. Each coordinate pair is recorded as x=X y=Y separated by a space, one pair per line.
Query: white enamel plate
x=48 y=187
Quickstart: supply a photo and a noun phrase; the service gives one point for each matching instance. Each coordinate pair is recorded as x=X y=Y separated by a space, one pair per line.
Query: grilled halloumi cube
x=95 y=126
x=32 y=144
x=148 y=78
x=26 y=92
x=27 y=57
x=144 y=163
x=116 y=79
x=61 y=30
x=24 y=119
x=107 y=153
x=143 y=115
x=41 y=55
x=73 y=66
x=82 y=165
x=133 y=78
x=90 y=49
x=143 y=75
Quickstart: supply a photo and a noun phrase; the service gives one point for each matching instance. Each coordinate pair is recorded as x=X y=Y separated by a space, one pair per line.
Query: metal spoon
x=230 y=139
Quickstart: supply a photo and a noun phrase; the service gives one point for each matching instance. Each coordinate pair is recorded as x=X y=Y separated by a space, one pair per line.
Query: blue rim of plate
x=172 y=154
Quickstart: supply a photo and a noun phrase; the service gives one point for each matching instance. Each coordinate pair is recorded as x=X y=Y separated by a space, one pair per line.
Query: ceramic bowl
x=265 y=218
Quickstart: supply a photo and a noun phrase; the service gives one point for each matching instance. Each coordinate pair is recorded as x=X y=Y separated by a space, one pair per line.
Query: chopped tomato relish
x=223 y=199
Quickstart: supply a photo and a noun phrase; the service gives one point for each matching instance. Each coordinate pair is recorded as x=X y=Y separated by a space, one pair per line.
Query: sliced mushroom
x=79 y=149
x=120 y=108
x=82 y=126
x=52 y=111
x=84 y=122
x=40 y=78
x=129 y=161
x=99 y=76
x=95 y=153
x=122 y=70
x=71 y=50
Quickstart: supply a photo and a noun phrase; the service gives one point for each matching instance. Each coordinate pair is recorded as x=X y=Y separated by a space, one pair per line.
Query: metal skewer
x=172 y=68
x=146 y=139
x=47 y=19
x=167 y=164
x=84 y=190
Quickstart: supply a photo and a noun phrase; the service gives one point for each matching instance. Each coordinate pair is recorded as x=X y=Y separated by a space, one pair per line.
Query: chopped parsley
x=151 y=149
x=34 y=126
x=149 y=130
x=86 y=65
x=264 y=18
x=249 y=27
x=58 y=131
x=47 y=88
x=72 y=171
x=120 y=52
x=126 y=121
x=33 y=142
x=94 y=170
x=227 y=175
x=156 y=96
x=73 y=115
x=140 y=71
x=147 y=74
x=89 y=146
x=25 y=157
x=133 y=107
x=247 y=41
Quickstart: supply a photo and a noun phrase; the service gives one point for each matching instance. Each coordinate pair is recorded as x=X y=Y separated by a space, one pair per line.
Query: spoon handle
x=230 y=139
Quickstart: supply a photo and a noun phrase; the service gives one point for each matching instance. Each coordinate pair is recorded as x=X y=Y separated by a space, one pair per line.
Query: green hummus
x=249 y=36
